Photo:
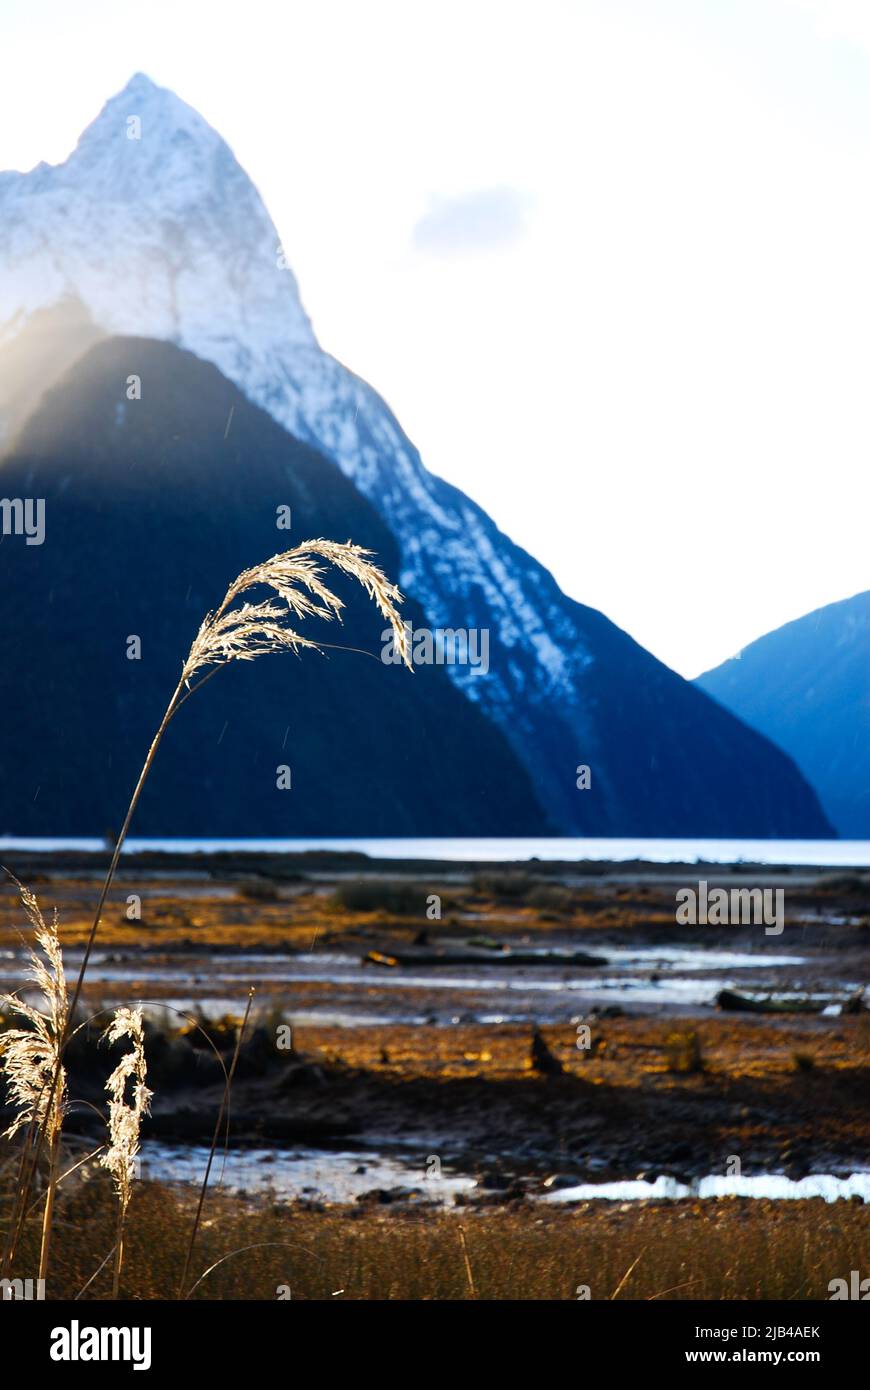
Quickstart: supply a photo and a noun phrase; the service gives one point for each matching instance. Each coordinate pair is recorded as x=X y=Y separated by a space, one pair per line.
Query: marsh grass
x=382 y=895
x=730 y=1249
x=684 y=1053
x=224 y=1111
x=258 y=890
x=512 y=886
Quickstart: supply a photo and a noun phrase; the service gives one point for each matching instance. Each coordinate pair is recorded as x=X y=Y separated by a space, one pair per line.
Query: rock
x=543 y=1060
x=386 y=1196
x=557 y=1180
x=514 y=1193
x=301 y=1074
x=796 y=1170
x=493 y=1182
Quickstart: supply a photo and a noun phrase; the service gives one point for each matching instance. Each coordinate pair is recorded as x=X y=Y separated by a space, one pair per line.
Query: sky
x=607 y=260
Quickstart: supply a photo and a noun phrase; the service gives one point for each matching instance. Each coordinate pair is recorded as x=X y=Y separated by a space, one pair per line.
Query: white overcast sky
x=608 y=262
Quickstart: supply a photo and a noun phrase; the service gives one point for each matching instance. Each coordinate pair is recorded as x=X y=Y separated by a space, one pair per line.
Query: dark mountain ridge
x=806 y=686
x=152 y=507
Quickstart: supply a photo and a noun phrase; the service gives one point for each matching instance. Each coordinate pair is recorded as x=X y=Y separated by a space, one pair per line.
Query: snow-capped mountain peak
x=147 y=141
x=155 y=227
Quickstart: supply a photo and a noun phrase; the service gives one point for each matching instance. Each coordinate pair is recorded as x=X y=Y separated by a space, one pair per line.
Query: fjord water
x=832 y=853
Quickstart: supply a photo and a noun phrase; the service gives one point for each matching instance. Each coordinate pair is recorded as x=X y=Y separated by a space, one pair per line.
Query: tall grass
x=125 y=1117
x=32 y=1061
x=217 y=1129
x=712 y=1250
x=240 y=629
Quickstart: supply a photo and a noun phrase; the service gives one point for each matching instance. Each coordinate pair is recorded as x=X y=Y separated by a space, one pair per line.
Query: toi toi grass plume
x=130 y=1101
x=31 y=1058
x=30 y=1055
x=255 y=629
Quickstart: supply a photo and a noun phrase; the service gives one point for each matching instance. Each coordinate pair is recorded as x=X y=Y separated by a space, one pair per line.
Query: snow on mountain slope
x=128 y=225
x=164 y=236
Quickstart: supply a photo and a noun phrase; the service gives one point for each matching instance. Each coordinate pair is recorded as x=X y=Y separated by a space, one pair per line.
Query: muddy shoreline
x=438 y=1059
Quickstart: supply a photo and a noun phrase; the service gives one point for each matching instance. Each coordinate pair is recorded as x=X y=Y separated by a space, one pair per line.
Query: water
x=661 y=976
x=829 y=853
x=770 y=1185
x=302 y=1174
x=306 y=1174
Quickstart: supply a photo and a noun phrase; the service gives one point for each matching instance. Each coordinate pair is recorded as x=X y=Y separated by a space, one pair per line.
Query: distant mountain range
x=163 y=237
x=807 y=687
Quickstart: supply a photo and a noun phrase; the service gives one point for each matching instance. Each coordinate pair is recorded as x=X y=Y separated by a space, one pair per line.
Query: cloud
x=847 y=19
x=478 y=221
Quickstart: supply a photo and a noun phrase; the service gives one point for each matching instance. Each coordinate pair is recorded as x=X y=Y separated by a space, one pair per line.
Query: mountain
x=152 y=506
x=164 y=236
x=806 y=686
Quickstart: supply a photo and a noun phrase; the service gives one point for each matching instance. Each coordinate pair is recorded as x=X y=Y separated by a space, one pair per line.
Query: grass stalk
x=214 y=1139
x=48 y=1212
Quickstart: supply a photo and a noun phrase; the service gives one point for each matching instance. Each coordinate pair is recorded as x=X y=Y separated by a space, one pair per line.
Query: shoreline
x=283 y=864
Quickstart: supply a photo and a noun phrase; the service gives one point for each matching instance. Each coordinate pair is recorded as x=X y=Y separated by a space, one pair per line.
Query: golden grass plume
x=126 y=1111
x=257 y=628
x=31 y=1056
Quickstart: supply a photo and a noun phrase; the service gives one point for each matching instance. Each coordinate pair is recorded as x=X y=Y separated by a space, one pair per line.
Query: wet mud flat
x=324 y=935
x=791 y=1098
x=513 y=1080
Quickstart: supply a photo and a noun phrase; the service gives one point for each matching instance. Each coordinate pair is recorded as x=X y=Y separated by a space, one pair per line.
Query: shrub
x=382 y=895
x=261 y=890
x=514 y=887
x=684 y=1053
x=551 y=897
